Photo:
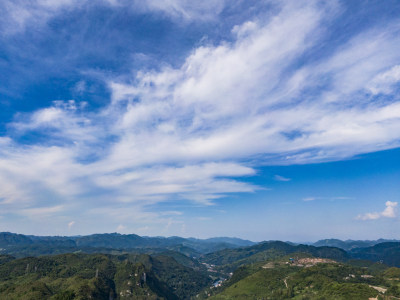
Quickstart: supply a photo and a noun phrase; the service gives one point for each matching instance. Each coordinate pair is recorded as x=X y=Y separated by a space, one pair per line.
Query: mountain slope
x=97 y=276
x=387 y=253
x=279 y=280
x=233 y=258
x=350 y=244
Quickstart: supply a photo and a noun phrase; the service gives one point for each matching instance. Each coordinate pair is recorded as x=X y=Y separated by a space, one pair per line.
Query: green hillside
x=98 y=269
x=388 y=253
x=97 y=276
x=230 y=259
x=278 y=280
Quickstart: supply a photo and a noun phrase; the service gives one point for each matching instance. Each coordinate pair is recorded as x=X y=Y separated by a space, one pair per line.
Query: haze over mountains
x=350 y=244
x=27 y=245
x=118 y=240
x=15 y=242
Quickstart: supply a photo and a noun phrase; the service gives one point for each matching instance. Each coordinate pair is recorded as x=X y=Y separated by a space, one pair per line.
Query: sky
x=264 y=120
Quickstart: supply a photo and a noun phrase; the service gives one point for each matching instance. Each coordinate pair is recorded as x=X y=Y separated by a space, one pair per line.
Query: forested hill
x=387 y=253
x=27 y=245
x=97 y=276
x=231 y=259
x=350 y=244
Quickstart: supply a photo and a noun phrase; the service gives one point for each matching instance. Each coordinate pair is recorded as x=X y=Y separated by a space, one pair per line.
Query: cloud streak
x=281 y=178
x=19 y=15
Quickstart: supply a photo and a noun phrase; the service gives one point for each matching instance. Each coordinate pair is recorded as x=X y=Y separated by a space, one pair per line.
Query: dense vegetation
x=231 y=259
x=114 y=266
x=387 y=253
x=320 y=281
x=99 y=276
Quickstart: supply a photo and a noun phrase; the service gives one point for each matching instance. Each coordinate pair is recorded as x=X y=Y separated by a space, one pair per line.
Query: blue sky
x=256 y=119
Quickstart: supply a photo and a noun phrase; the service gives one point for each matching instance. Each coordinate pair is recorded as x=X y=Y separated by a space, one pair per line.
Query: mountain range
x=117 y=266
x=351 y=244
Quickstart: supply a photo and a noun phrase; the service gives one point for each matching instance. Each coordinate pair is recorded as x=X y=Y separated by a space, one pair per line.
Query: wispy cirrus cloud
x=42 y=212
x=385 y=83
x=389 y=212
x=281 y=178
x=18 y=14
x=71 y=224
x=185 y=9
x=307 y=199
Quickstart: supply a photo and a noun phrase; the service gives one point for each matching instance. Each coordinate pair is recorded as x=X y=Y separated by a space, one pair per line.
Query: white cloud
x=389 y=212
x=40 y=212
x=281 y=178
x=171 y=213
x=63 y=119
x=310 y=199
x=385 y=81
x=188 y=133
x=70 y=224
x=229 y=101
x=247 y=28
x=306 y=199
